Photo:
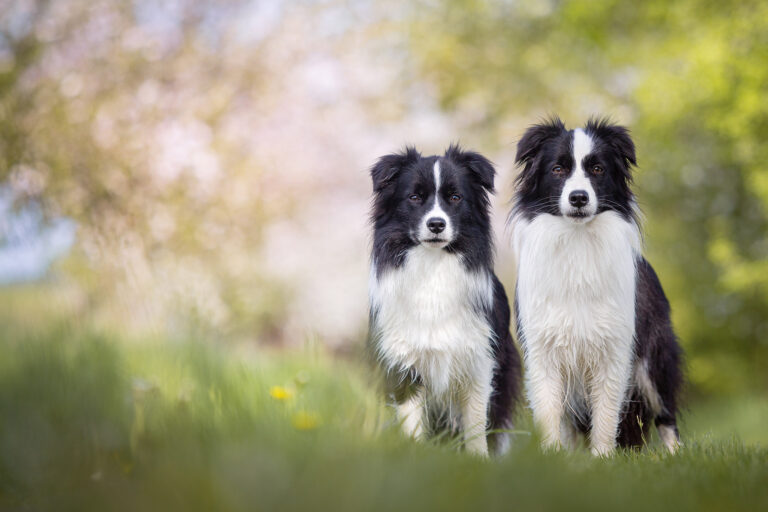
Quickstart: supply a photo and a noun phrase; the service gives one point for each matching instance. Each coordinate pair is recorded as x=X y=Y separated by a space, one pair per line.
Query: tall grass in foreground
x=89 y=422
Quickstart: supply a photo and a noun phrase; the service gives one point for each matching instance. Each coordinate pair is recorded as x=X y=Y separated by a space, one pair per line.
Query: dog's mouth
x=579 y=214
x=434 y=241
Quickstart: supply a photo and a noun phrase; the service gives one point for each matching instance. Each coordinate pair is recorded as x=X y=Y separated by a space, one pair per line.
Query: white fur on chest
x=576 y=286
x=430 y=315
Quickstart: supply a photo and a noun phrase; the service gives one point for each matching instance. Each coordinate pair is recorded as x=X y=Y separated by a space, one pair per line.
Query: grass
x=90 y=421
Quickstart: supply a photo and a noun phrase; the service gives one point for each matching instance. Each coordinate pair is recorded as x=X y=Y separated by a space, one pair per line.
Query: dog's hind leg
x=668 y=380
x=669 y=434
x=654 y=397
x=659 y=367
x=505 y=396
x=499 y=442
x=635 y=422
x=668 y=383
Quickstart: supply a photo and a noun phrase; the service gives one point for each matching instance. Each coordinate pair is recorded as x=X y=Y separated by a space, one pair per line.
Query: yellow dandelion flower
x=280 y=393
x=304 y=420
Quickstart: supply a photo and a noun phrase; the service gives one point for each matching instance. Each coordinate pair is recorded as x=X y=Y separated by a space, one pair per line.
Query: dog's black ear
x=480 y=167
x=623 y=143
x=385 y=171
x=529 y=147
x=535 y=137
x=619 y=139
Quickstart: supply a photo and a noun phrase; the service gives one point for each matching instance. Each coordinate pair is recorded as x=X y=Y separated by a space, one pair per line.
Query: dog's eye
x=455 y=198
x=558 y=170
x=415 y=197
x=597 y=170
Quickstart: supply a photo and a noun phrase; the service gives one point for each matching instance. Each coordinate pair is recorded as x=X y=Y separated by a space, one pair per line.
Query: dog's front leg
x=608 y=390
x=411 y=412
x=474 y=411
x=474 y=417
x=546 y=395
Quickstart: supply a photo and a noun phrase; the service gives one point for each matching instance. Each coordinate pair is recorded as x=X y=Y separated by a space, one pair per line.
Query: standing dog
x=601 y=356
x=439 y=317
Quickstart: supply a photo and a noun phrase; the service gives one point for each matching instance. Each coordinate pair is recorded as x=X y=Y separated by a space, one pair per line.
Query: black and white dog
x=601 y=356
x=439 y=318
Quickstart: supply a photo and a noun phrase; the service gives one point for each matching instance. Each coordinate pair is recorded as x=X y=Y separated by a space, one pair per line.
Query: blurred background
x=186 y=166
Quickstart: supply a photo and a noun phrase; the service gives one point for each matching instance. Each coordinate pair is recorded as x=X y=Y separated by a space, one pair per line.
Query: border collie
x=594 y=323
x=439 y=317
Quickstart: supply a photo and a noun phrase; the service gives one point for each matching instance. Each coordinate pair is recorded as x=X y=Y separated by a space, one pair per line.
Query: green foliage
x=141 y=137
x=93 y=422
x=689 y=79
x=195 y=159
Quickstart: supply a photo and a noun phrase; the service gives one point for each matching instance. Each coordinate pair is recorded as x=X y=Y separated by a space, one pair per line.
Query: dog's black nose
x=578 y=198
x=436 y=224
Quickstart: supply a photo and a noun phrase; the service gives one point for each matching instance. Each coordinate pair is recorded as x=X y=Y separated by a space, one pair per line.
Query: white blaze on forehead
x=578 y=180
x=582 y=146
x=436 y=211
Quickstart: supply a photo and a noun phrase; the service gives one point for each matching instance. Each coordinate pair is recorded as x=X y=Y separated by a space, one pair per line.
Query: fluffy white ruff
x=576 y=304
x=430 y=315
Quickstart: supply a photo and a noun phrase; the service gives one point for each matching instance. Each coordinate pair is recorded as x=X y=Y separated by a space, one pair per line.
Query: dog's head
x=576 y=174
x=440 y=202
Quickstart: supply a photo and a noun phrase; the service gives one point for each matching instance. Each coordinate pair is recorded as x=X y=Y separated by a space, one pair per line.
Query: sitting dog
x=439 y=317
x=594 y=323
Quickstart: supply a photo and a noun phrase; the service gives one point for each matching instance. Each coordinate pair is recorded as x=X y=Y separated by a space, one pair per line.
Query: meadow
x=184 y=195
x=94 y=420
